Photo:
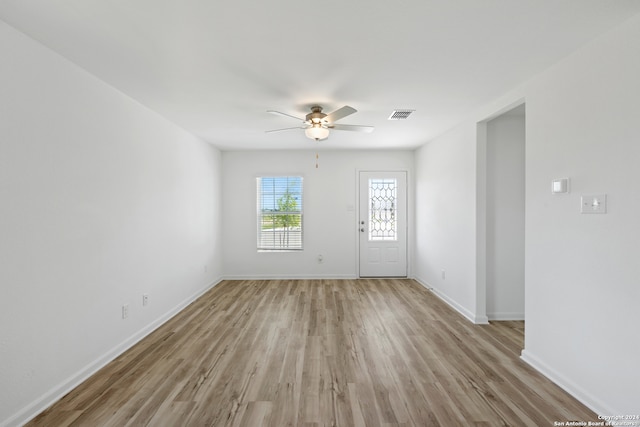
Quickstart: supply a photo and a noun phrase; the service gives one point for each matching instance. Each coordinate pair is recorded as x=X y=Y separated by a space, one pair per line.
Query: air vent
x=400 y=114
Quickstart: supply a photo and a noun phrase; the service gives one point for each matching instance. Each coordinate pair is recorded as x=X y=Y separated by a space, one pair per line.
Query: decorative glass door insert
x=383 y=224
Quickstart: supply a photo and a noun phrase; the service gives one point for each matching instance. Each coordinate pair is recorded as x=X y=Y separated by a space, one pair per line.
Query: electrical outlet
x=320 y=259
x=443 y=274
x=145 y=299
x=125 y=311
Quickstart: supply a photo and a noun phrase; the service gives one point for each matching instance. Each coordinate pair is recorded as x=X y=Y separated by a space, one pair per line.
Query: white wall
x=505 y=192
x=581 y=271
x=445 y=218
x=330 y=223
x=101 y=200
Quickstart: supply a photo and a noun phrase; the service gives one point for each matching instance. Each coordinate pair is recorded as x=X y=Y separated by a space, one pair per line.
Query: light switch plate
x=593 y=204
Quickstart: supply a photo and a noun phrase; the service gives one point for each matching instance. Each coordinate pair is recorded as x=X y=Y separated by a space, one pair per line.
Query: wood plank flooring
x=368 y=352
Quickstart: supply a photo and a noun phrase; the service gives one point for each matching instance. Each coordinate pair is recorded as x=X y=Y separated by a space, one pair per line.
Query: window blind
x=279 y=206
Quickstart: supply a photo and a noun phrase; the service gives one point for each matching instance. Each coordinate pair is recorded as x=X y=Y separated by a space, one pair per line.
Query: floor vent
x=400 y=114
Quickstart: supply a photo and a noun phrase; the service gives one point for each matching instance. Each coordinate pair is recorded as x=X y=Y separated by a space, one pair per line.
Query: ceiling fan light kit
x=317 y=132
x=317 y=124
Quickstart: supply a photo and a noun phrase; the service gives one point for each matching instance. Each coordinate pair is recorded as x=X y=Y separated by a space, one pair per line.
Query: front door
x=383 y=224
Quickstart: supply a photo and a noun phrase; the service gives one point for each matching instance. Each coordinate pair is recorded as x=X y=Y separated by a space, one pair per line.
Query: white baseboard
x=290 y=277
x=505 y=316
x=478 y=320
x=30 y=411
x=593 y=403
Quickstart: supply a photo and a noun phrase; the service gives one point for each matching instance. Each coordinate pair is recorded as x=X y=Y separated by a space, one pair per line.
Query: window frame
x=261 y=213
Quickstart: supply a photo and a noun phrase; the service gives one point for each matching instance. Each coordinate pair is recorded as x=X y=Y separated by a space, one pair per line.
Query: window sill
x=278 y=250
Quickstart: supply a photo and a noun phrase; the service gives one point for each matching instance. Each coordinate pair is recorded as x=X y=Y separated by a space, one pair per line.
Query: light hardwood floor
x=368 y=352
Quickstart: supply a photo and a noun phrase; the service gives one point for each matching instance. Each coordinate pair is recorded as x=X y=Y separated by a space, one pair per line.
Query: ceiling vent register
x=400 y=114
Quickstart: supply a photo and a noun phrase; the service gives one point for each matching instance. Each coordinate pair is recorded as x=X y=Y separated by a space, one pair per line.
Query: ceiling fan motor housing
x=316 y=115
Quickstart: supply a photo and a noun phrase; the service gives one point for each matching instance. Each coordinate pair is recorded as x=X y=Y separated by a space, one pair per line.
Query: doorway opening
x=503 y=219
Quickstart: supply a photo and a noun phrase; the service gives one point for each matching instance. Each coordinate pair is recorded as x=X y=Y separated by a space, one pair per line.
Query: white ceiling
x=215 y=67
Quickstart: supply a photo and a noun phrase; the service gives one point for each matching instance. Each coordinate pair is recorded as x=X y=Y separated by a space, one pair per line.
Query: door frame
x=409 y=222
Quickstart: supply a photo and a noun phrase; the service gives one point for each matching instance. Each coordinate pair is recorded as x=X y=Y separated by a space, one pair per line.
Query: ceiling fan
x=317 y=124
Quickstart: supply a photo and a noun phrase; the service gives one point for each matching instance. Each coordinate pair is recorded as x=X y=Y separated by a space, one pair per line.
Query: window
x=279 y=213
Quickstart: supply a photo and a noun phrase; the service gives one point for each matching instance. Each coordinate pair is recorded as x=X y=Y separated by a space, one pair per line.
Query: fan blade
x=280 y=130
x=339 y=114
x=284 y=114
x=354 y=128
